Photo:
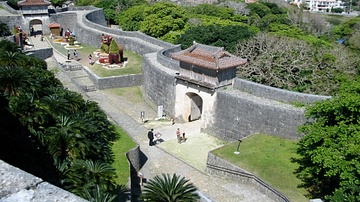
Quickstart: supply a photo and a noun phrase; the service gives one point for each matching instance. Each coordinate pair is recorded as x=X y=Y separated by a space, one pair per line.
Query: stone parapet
x=17 y=185
x=114 y=81
x=220 y=167
x=281 y=95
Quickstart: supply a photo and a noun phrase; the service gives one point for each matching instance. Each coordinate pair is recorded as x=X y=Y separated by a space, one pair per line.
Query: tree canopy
x=163 y=17
x=53 y=128
x=216 y=35
x=329 y=150
x=131 y=19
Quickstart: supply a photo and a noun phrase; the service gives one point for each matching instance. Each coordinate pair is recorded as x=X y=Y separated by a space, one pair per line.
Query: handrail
x=249 y=175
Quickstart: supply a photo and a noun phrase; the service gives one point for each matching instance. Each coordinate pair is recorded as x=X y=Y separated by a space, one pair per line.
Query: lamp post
x=238 y=147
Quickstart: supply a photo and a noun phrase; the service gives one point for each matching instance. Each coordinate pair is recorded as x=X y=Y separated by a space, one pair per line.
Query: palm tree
x=169 y=189
x=12 y=78
x=95 y=176
x=12 y=59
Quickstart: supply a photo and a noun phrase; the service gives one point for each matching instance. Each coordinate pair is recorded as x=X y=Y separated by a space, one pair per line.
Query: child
x=76 y=54
x=90 y=59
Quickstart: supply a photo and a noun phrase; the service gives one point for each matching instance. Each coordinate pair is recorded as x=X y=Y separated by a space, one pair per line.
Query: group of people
x=76 y=55
x=151 y=136
x=180 y=137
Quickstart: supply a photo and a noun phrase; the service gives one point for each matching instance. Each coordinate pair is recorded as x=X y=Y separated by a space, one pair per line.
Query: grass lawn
x=121 y=165
x=133 y=66
x=269 y=158
x=133 y=94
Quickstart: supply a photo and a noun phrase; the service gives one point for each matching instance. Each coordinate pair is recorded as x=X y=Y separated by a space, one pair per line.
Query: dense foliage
x=4 y=29
x=216 y=35
x=329 y=152
x=68 y=139
x=161 y=18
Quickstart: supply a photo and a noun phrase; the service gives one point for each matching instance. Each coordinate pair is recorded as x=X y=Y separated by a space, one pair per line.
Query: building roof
x=34 y=3
x=209 y=57
x=54 y=25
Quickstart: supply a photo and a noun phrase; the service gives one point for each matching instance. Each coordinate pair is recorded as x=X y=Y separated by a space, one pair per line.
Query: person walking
x=151 y=137
x=76 y=55
x=178 y=135
x=68 y=55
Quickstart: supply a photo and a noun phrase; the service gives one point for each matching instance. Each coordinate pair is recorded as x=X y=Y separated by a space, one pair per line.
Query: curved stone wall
x=163 y=57
x=275 y=93
x=159 y=83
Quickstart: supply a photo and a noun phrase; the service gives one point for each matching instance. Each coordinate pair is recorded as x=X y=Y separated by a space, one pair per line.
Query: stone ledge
x=17 y=185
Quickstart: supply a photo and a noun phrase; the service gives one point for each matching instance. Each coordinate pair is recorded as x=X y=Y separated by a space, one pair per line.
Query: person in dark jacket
x=151 y=137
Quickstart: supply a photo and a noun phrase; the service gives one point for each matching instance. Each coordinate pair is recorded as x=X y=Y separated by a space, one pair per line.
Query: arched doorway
x=35 y=27
x=195 y=104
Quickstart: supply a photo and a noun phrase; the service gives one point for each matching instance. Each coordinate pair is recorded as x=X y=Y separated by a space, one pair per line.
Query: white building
x=320 y=5
x=323 y=5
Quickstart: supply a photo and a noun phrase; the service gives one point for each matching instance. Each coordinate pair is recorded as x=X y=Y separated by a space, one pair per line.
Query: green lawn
x=133 y=65
x=133 y=94
x=120 y=147
x=269 y=158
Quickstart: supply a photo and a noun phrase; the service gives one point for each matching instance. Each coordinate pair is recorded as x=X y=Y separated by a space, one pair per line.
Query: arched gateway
x=36 y=14
x=203 y=70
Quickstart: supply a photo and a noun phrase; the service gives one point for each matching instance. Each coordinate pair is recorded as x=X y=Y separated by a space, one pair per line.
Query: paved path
x=161 y=160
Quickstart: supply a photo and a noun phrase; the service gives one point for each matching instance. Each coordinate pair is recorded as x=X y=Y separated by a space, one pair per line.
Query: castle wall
x=159 y=83
x=12 y=21
x=276 y=93
x=66 y=20
x=238 y=114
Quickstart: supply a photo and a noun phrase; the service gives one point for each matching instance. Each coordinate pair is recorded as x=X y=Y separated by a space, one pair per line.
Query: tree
x=57 y=3
x=169 y=189
x=215 y=35
x=163 y=17
x=11 y=79
x=296 y=65
x=4 y=30
x=94 y=176
x=131 y=19
x=329 y=150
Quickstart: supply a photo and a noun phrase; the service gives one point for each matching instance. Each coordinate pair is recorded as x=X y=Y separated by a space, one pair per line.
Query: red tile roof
x=54 y=25
x=34 y=3
x=210 y=57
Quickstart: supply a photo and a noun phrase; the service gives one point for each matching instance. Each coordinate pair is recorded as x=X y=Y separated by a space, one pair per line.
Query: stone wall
x=66 y=20
x=12 y=21
x=17 y=185
x=275 y=93
x=159 y=83
x=222 y=168
x=114 y=81
x=163 y=57
x=9 y=8
x=238 y=114
x=40 y=53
